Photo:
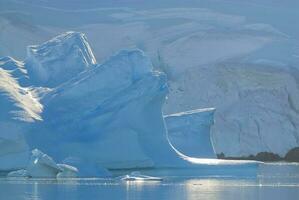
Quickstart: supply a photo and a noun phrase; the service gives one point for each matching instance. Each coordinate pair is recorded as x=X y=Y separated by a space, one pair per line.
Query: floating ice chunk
x=137 y=176
x=67 y=171
x=22 y=173
x=41 y=165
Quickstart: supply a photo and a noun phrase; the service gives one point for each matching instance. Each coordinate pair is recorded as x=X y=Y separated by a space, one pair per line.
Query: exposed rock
x=262 y=156
x=293 y=155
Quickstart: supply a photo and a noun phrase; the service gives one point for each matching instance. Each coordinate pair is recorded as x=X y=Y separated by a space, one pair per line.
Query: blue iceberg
x=107 y=115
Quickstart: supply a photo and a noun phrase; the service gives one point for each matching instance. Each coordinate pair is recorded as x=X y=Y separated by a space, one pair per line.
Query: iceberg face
x=17 y=102
x=189 y=132
x=108 y=112
x=87 y=168
x=13 y=160
x=19 y=106
x=59 y=59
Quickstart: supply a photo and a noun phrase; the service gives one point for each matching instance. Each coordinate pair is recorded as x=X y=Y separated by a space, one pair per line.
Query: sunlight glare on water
x=284 y=185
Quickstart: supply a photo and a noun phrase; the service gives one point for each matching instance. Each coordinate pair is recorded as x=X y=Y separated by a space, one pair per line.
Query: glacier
x=107 y=116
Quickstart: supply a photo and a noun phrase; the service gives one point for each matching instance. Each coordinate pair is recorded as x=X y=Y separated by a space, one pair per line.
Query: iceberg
x=189 y=132
x=41 y=165
x=108 y=112
x=107 y=116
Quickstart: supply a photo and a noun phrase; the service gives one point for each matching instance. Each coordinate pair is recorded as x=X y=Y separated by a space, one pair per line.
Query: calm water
x=271 y=184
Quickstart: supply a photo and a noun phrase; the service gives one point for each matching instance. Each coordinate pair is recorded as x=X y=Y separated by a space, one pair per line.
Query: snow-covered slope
x=189 y=132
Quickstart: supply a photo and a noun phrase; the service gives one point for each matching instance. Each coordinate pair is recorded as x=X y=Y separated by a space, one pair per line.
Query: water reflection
x=215 y=189
x=171 y=188
x=139 y=189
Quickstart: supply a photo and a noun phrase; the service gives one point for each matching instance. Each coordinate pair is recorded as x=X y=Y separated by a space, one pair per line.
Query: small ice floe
x=67 y=171
x=22 y=173
x=137 y=176
x=43 y=166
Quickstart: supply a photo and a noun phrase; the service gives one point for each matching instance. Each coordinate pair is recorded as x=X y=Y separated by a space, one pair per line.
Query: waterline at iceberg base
x=99 y=119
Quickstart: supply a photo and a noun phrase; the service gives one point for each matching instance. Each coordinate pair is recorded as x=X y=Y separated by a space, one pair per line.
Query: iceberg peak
x=59 y=59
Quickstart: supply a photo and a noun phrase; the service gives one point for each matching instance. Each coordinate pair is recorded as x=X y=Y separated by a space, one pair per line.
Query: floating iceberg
x=41 y=165
x=189 y=132
x=137 y=176
x=21 y=173
x=107 y=115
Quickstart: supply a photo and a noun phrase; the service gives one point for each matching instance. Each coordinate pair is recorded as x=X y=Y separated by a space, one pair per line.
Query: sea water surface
x=275 y=181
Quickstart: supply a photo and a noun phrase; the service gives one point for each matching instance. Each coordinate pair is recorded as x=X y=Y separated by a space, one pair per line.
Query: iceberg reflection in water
x=283 y=183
